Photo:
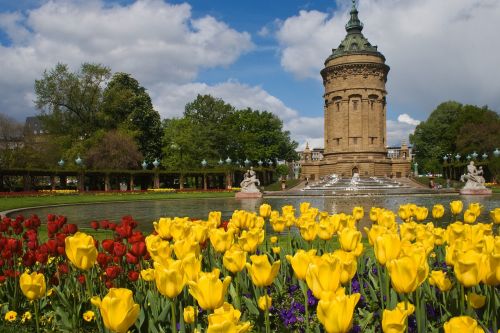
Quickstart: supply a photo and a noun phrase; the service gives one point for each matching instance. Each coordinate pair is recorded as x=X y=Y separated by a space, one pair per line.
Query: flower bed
x=313 y=272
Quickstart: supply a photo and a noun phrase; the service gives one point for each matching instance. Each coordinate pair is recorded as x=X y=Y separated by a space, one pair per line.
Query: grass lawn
x=9 y=202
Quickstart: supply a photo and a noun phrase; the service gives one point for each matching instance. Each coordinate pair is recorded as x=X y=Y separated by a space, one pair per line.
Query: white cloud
x=170 y=99
x=405 y=118
x=153 y=40
x=437 y=51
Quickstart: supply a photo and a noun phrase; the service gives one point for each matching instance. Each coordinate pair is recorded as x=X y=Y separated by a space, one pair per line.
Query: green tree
x=70 y=103
x=127 y=105
x=114 y=150
x=453 y=127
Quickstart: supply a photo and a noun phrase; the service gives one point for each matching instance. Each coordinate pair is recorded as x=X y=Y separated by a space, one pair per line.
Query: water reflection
x=145 y=212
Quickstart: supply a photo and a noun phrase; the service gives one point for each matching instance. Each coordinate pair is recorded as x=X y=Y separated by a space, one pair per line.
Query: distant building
x=33 y=126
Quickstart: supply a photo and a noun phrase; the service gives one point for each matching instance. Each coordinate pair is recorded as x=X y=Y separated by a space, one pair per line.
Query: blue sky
x=259 y=54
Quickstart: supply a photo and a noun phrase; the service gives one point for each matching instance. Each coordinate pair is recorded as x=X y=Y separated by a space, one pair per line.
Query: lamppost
x=415 y=172
x=229 y=180
x=204 y=164
x=62 y=179
x=81 y=175
x=144 y=165
x=156 y=177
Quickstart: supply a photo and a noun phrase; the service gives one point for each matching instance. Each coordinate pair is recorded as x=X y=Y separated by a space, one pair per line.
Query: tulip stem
x=494 y=307
x=462 y=300
x=268 y=325
x=379 y=273
x=36 y=305
x=173 y=321
x=306 y=303
x=406 y=309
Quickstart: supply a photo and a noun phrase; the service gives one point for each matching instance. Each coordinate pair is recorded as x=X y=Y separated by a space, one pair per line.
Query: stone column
x=205 y=181
x=131 y=182
x=156 y=180
x=181 y=182
x=107 y=184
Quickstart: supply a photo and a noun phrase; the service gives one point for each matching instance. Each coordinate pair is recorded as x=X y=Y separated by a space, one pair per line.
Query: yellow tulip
x=276 y=249
x=456 y=207
x=191 y=266
x=375 y=231
x=387 y=247
x=492 y=268
x=495 y=215
x=469 y=267
x=186 y=246
x=234 y=259
x=462 y=324
x=300 y=261
x=118 y=310
x=404 y=274
x=374 y=212
x=249 y=240
x=394 y=321
x=439 y=236
x=408 y=230
x=148 y=274
x=209 y=291
x=33 y=285
x=475 y=207
x=387 y=219
x=226 y=320
x=349 y=239
x=221 y=240
x=421 y=213
x=264 y=302
x=10 y=316
x=437 y=211
x=215 y=218
x=348 y=265
x=81 y=250
x=439 y=279
x=159 y=249
x=304 y=207
x=336 y=312
x=162 y=227
x=261 y=271
x=309 y=230
x=180 y=228
x=278 y=224
x=358 y=213
x=326 y=228
x=323 y=276
x=455 y=231
x=265 y=210
x=189 y=314
x=199 y=233
x=170 y=280
x=88 y=316
x=469 y=216
x=476 y=301
x=273 y=239
x=404 y=212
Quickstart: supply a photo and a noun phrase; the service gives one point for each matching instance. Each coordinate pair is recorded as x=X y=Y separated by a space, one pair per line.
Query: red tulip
x=119 y=249
x=133 y=276
x=108 y=245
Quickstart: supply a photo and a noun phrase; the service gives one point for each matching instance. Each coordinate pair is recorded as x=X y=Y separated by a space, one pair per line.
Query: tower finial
x=354 y=25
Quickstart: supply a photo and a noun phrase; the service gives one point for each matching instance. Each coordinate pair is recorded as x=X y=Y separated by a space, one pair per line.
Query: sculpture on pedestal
x=250 y=182
x=474 y=181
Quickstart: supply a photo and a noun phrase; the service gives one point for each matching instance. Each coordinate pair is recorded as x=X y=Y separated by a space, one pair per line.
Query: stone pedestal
x=471 y=191
x=248 y=195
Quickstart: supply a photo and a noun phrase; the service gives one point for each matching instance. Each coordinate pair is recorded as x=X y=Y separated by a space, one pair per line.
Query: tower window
x=372 y=140
x=354 y=105
x=338 y=141
x=355 y=141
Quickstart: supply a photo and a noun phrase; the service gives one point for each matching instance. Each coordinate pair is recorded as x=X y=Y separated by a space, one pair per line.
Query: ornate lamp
x=156 y=163
x=61 y=163
x=445 y=158
x=457 y=157
x=468 y=157
x=485 y=156
x=260 y=163
x=204 y=163
x=144 y=164
x=78 y=161
x=496 y=152
x=247 y=162
x=228 y=160
x=221 y=161
x=474 y=155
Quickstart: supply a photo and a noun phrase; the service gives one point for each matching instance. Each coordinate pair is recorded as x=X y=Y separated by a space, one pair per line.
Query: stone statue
x=250 y=182
x=474 y=177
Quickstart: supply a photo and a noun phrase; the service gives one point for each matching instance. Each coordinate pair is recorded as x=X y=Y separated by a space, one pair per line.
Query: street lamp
x=260 y=163
x=61 y=163
x=204 y=163
x=156 y=163
x=496 y=153
x=247 y=162
x=457 y=157
x=474 y=155
x=221 y=161
x=78 y=161
x=485 y=156
x=144 y=164
x=468 y=157
x=228 y=160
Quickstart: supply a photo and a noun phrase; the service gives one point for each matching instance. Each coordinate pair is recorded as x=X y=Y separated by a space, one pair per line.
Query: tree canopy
x=212 y=129
x=455 y=128
x=77 y=107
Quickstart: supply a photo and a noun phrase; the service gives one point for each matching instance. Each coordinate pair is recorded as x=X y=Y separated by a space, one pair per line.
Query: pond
x=145 y=212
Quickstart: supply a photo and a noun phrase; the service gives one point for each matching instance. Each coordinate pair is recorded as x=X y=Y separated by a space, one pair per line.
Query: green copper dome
x=354 y=42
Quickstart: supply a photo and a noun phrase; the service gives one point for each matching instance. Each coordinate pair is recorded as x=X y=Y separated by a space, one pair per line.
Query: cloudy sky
x=261 y=54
